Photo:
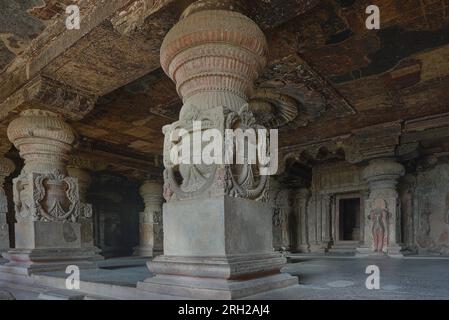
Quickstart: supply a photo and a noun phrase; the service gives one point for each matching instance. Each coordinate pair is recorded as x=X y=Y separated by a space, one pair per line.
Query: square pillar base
x=47 y=246
x=217 y=248
x=213 y=288
x=29 y=261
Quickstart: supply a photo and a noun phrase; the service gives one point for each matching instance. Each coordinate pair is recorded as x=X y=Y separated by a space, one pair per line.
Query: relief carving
x=188 y=181
x=54 y=197
x=379 y=229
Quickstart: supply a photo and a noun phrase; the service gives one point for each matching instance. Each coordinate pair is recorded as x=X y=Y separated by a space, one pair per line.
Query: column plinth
x=382 y=234
x=217 y=226
x=150 y=221
x=46 y=199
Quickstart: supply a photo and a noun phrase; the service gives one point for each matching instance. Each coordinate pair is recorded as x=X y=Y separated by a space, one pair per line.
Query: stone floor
x=320 y=278
x=344 y=278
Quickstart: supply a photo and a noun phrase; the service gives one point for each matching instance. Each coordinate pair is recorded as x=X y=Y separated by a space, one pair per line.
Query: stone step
x=61 y=295
x=94 y=297
x=343 y=249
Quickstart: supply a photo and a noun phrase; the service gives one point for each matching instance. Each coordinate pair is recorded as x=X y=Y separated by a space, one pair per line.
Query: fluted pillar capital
x=43 y=139
x=214 y=55
x=151 y=192
x=383 y=173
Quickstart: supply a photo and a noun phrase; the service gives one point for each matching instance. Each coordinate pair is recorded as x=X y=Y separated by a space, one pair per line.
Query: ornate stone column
x=85 y=219
x=6 y=168
x=301 y=199
x=150 y=221
x=382 y=208
x=46 y=199
x=217 y=228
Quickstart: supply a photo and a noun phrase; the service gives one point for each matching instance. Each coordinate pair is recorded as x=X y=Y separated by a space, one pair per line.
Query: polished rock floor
x=319 y=277
x=345 y=278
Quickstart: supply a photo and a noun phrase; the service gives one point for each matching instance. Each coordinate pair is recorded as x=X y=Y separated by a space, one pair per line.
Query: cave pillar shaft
x=46 y=198
x=217 y=225
x=301 y=200
x=382 y=208
x=150 y=221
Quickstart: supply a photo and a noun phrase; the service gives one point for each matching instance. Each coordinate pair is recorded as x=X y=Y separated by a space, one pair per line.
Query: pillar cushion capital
x=383 y=170
x=214 y=50
x=302 y=194
x=151 y=191
x=43 y=139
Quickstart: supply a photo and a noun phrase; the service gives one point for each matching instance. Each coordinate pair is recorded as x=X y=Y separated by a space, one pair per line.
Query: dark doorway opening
x=349 y=219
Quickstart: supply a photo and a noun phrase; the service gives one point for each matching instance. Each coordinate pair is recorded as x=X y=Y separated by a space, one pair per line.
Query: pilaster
x=382 y=233
x=301 y=200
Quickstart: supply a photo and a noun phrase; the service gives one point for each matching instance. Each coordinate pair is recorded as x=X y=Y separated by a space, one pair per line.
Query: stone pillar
x=326 y=207
x=150 y=221
x=86 y=214
x=301 y=200
x=217 y=225
x=46 y=199
x=382 y=208
x=6 y=168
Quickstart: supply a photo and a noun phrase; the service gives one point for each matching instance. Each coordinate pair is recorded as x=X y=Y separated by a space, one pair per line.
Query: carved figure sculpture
x=379 y=219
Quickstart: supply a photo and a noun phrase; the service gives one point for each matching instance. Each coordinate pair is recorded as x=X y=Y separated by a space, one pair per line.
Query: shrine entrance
x=347 y=231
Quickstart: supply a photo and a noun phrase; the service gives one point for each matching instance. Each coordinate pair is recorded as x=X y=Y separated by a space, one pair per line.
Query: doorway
x=348 y=219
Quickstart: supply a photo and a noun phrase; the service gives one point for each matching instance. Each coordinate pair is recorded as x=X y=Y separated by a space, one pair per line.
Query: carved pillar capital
x=302 y=194
x=44 y=191
x=213 y=54
x=151 y=192
x=383 y=173
x=43 y=139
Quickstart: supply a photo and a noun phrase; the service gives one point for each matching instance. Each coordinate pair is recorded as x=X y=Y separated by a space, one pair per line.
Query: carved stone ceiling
x=324 y=64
